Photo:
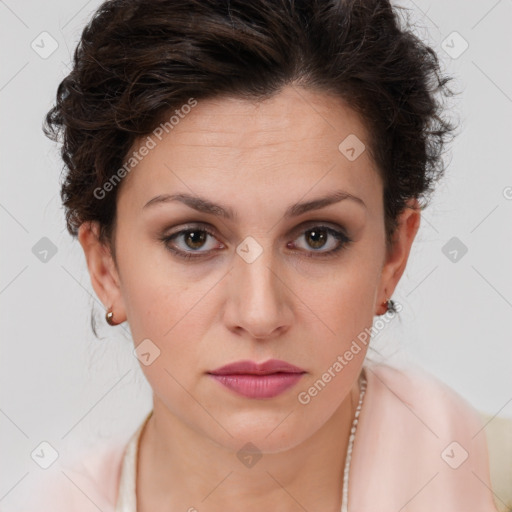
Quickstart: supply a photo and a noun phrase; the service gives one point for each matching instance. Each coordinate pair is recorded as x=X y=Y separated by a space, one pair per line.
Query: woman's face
x=271 y=277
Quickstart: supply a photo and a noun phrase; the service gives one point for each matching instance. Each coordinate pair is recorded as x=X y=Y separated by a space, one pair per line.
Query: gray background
x=62 y=385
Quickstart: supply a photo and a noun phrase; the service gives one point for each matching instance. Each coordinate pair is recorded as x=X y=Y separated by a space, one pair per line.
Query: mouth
x=247 y=367
x=258 y=380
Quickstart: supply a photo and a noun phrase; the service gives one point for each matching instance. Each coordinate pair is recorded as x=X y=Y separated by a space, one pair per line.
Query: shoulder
x=415 y=433
x=415 y=390
x=427 y=408
x=86 y=479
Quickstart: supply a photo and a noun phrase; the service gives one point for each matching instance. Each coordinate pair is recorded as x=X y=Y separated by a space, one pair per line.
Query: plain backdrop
x=62 y=385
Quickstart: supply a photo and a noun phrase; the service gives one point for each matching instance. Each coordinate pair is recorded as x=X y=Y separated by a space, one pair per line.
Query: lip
x=247 y=367
x=258 y=380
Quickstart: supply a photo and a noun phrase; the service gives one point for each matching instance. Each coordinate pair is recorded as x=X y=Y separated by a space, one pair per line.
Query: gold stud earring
x=109 y=317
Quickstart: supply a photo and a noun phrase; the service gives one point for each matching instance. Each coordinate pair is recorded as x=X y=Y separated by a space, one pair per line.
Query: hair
x=139 y=60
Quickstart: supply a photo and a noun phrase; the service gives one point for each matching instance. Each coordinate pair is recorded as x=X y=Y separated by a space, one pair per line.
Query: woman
x=246 y=181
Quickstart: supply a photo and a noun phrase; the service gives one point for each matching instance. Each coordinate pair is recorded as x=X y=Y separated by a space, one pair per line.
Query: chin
x=268 y=435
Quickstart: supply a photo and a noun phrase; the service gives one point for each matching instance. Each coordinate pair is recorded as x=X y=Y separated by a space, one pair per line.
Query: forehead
x=290 y=142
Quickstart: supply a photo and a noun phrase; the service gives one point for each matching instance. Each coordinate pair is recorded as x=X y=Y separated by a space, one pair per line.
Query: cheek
x=157 y=311
x=346 y=301
x=167 y=309
x=151 y=293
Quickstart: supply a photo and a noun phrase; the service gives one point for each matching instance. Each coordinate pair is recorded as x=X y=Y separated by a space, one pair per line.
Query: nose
x=259 y=299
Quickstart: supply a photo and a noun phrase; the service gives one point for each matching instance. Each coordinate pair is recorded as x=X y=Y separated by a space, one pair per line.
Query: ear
x=102 y=270
x=398 y=253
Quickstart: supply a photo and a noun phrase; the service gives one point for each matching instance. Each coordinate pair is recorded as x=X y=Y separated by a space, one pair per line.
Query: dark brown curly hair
x=139 y=60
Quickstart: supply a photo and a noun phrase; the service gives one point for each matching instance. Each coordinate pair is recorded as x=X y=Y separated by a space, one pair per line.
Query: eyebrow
x=204 y=205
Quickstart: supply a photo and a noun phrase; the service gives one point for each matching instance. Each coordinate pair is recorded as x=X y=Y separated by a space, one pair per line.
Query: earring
x=390 y=306
x=109 y=317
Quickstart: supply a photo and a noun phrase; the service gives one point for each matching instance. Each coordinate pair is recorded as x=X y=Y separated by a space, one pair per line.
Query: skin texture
x=257 y=159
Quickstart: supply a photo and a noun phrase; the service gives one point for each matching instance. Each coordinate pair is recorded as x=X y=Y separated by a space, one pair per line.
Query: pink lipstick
x=258 y=380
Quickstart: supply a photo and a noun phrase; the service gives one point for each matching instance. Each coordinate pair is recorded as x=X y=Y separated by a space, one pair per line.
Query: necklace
x=344 y=500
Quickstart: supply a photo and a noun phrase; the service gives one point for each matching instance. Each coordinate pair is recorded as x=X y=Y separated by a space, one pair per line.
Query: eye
x=323 y=237
x=192 y=239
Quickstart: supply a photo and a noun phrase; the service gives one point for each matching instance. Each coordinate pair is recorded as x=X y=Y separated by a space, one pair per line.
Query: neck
x=180 y=468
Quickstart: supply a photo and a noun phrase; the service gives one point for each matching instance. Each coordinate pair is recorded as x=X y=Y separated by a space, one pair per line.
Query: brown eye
x=320 y=237
x=316 y=238
x=195 y=239
x=191 y=242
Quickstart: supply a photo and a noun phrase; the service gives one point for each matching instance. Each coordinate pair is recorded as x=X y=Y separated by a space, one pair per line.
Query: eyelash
x=189 y=255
